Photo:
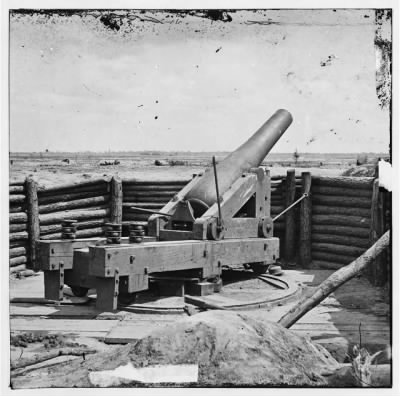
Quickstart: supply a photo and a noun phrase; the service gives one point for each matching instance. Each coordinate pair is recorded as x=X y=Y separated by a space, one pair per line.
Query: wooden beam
x=377 y=272
x=305 y=223
x=290 y=223
x=116 y=200
x=31 y=188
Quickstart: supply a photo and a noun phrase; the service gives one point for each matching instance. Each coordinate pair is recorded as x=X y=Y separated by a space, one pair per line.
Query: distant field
x=49 y=168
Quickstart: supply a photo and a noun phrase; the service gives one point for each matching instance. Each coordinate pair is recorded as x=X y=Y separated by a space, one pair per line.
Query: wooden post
x=32 y=206
x=377 y=273
x=290 y=223
x=305 y=222
x=116 y=200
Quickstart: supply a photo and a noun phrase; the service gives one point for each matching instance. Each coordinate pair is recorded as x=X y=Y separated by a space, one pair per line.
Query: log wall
x=18 y=226
x=344 y=214
x=341 y=219
x=87 y=202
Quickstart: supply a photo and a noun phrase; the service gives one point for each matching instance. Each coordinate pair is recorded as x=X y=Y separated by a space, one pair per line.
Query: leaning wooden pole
x=337 y=279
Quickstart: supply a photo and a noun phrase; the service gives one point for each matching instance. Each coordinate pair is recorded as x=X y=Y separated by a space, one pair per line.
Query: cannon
x=220 y=218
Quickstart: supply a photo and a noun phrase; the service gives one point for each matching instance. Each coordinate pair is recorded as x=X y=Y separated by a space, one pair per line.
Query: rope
x=305 y=195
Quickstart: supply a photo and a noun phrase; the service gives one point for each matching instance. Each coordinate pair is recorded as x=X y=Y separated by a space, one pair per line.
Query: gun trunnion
x=195 y=234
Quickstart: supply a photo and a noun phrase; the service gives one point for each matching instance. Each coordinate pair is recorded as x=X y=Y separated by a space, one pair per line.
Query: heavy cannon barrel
x=249 y=155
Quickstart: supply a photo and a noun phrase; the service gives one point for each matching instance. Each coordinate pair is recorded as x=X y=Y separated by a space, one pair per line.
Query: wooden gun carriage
x=220 y=218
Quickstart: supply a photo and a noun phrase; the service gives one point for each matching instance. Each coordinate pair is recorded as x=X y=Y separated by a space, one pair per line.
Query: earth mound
x=231 y=349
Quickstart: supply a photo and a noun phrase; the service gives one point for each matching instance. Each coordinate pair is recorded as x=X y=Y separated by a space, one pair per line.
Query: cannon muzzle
x=249 y=155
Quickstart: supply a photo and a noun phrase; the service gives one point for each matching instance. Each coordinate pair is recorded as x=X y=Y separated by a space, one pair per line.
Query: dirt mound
x=229 y=348
x=361 y=171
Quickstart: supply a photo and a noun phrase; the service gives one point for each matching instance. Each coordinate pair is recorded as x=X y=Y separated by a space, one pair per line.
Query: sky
x=187 y=83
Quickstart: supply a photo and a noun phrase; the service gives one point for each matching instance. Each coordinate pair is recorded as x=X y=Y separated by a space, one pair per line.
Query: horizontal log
x=16 y=189
x=326 y=264
x=337 y=210
x=44 y=200
x=90 y=208
x=341 y=220
x=332 y=257
x=277 y=197
x=334 y=200
x=79 y=203
x=343 y=182
x=18 y=236
x=82 y=225
x=151 y=189
x=17 y=261
x=133 y=198
x=277 y=209
x=16 y=209
x=146 y=205
x=91 y=232
x=17 y=268
x=18 y=227
x=151 y=193
x=17 y=251
x=15 y=244
x=337 y=249
x=19 y=217
x=18 y=182
x=52 y=218
x=128 y=223
x=357 y=232
x=137 y=182
x=135 y=216
x=342 y=192
x=362 y=243
x=17 y=198
x=101 y=181
x=97 y=190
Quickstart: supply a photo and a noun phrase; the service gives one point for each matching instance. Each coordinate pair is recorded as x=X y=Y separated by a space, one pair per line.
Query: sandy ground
x=59 y=174
x=356 y=302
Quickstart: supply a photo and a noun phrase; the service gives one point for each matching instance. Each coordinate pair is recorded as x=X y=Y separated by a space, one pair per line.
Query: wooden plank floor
x=335 y=323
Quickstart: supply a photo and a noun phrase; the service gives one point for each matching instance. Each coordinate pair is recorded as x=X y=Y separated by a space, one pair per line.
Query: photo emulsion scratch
x=200 y=198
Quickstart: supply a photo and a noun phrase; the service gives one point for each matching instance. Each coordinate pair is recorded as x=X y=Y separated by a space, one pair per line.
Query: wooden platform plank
x=81 y=327
x=53 y=311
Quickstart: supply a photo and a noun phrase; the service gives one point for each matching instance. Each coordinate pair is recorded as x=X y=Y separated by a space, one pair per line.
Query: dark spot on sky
x=366 y=16
x=357 y=121
x=156 y=117
x=140 y=105
x=156 y=101
x=218 y=49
